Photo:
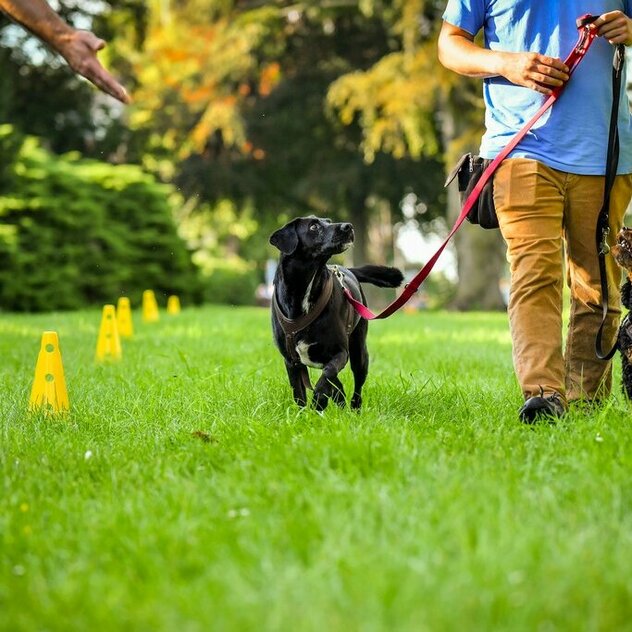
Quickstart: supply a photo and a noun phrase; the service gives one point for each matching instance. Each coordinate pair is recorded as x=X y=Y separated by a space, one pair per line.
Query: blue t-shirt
x=572 y=136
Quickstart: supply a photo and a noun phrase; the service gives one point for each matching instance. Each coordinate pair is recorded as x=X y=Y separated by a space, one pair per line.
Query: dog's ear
x=286 y=238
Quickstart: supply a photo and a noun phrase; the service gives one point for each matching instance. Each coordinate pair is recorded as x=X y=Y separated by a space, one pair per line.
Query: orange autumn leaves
x=195 y=78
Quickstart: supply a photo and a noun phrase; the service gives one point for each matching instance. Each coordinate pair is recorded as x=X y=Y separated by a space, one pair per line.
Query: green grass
x=432 y=509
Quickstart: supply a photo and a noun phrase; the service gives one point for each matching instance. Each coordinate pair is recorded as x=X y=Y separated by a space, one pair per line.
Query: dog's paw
x=320 y=400
x=338 y=396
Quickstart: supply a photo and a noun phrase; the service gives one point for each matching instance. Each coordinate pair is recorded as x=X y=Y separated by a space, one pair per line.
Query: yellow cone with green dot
x=108 y=343
x=124 y=318
x=150 y=307
x=173 y=305
x=49 y=386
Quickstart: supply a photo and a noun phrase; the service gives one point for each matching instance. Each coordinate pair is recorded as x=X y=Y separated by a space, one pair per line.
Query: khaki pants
x=538 y=209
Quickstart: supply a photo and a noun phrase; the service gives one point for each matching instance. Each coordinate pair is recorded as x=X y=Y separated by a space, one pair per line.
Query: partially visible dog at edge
x=622 y=253
x=313 y=323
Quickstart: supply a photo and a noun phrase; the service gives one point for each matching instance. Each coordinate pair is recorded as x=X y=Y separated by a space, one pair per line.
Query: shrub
x=232 y=285
x=75 y=232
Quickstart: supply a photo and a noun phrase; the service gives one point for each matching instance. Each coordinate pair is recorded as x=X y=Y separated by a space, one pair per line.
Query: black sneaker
x=540 y=407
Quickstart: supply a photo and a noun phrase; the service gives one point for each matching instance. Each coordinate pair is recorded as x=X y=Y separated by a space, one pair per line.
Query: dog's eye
x=314 y=228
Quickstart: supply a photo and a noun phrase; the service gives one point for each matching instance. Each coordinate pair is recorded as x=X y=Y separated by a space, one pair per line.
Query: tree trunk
x=359 y=217
x=480 y=253
x=480 y=263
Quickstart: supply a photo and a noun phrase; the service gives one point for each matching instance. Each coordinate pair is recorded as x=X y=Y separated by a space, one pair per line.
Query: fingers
x=615 y=27
x=542 y=73
x=94 y=72
x=81 y=53
x=99 y=45
x=552 y=67
x=106 y=82
x=534 y=85
x=616 y=35
x=549 y=76
x=608 y=18
x=90 y=40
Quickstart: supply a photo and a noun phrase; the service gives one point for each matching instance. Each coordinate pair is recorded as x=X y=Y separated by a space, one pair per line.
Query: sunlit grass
x=185 y=491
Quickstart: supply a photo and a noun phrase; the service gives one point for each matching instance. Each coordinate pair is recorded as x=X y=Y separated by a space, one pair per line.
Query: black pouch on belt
x=468 y=171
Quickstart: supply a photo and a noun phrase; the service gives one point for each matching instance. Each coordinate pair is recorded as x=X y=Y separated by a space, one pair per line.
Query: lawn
x=185 y=490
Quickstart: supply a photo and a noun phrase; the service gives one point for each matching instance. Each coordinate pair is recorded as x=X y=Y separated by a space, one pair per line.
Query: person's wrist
x=62 y=36
x=499 y=63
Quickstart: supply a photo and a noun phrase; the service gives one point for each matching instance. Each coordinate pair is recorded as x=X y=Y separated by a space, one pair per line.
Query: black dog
x=622 y=252
x=312 y=321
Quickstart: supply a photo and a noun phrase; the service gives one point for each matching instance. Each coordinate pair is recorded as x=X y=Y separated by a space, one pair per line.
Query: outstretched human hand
x=79 y=49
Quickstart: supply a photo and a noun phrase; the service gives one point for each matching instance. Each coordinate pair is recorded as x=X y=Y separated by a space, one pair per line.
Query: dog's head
x=313 y=238
x=622 y=250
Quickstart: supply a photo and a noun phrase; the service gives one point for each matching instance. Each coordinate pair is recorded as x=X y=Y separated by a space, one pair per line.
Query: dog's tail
x=382 y=276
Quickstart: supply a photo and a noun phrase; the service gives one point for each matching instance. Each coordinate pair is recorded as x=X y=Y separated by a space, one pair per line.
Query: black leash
x=603 y=221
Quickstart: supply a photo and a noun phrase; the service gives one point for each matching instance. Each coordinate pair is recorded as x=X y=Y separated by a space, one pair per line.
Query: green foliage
x=438 y=291
x=76 y=232
x=10 y=144
x=231 y=285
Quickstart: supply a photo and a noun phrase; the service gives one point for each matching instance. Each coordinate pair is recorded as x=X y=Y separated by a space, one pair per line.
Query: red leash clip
x=586 y=24
x=585 y=20
x=588 y=32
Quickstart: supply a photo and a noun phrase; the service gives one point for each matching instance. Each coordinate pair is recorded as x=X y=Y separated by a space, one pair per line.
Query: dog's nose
x=346 y=228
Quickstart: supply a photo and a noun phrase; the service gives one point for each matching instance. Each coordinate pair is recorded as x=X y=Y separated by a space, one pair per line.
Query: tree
x=75 y=232
x=393 y=100
x=241 y=101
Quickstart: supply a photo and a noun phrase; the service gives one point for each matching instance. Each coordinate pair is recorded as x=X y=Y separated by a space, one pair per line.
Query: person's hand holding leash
x=616 y=27
x=459 y=52
x=533 y=70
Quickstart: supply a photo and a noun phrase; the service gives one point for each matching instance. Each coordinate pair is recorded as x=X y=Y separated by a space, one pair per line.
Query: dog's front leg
x=326 y=384
x=295 y=374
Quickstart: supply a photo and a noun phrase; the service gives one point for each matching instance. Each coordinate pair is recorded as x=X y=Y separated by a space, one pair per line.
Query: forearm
x=464 y=57
x=40 y=19
x=458 y=52
x=78 y=48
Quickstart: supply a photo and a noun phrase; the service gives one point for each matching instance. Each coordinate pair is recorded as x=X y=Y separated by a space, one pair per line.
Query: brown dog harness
x=292 y=326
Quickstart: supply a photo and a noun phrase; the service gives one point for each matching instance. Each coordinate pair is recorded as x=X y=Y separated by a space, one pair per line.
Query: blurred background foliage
x=77 y=231
x=246 y=113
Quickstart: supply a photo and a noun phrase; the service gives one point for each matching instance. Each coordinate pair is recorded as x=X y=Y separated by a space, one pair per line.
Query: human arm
x=459 y=52
x=78 y=48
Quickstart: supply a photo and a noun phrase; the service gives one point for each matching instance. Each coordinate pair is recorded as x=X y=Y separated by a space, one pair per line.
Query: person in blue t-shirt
x=549 y=191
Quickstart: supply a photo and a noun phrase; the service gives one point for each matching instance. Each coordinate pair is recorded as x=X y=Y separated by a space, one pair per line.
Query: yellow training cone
x=124 y=318
x=173 y=305
x=150 y=307
x=49 y=386
x=108 y=343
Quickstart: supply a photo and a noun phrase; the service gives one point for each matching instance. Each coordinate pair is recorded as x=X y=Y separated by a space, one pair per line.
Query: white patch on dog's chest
x=302 y=348
x=305 y=304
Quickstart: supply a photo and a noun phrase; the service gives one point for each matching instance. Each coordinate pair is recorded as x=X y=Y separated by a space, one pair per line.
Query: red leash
x=587 y=34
